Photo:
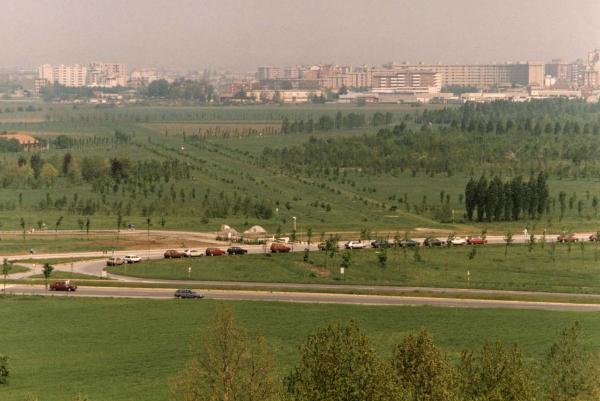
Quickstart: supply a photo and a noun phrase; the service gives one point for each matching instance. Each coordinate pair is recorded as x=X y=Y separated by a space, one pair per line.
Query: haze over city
x=241 y=35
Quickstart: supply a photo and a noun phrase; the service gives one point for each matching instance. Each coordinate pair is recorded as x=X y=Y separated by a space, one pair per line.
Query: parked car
x=433 y=242
x=567 y=238
x=192 y=253
x=459 y=241
x=355 y=245
x=132 y=259
x=236 y=250
x=323 y=246
x=408 y=243
x=476 y=241
x=173 y=254
x=62 y=286
x=114 y=261
x=214 y=252
x=278 y=247
x=380 y=243
x=185 y=293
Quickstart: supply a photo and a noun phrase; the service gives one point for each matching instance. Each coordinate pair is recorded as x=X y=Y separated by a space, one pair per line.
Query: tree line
x=504 y=201
x=339 y=362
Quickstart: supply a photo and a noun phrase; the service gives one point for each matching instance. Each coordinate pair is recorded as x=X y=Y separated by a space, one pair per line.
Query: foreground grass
x=576 y=271
x=126 y=350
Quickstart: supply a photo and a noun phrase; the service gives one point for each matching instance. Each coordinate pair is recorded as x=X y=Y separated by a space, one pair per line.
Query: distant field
x=126 y=350
x=573 y=271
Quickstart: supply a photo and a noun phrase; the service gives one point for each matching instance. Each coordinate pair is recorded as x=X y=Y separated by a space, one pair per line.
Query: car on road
x=408 y=243
x=192 y=253
x=567 y=238
x=186 y=293
x=131 y=259
x=355 y=245
x=323 y=246
x=278 y=247
x=458 y=241
x=214 y=252
x=63 y=286
x=380 y=243
x=114 y=261
x=431 y=241
x=173 y=254
x=236 y=250
x=476 y=241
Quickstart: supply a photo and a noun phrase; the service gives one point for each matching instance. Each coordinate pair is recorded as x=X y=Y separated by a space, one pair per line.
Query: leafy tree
x=338 y=363
x=508 y=239
x=571 y=374
x=495 y=373
x=422 y=370
x=226 y=363
x=47 y=271
x=382 y=257
x=6 y=268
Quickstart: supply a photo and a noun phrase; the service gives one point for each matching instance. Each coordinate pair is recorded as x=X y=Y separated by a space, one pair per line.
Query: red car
x=278 y=247
x=214 y=252
x=567 y=238
x=62 y=286
x=476 y=241
x=173 y=254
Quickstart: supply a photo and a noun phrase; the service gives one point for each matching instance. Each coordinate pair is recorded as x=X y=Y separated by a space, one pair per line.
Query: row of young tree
x=504 y=201
x=339 y=363
x=327 y=123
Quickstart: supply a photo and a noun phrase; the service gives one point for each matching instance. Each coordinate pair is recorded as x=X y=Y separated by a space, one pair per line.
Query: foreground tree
x=338 y=363
x=227 y=364
x=495 y=373
x=422 y=370
x=571 y=373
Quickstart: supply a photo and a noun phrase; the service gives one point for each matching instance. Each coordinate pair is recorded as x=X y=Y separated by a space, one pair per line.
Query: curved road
x=96 y=268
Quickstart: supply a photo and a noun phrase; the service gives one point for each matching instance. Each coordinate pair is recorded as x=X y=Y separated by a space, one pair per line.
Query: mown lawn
x=126 y=350
x=574 y=271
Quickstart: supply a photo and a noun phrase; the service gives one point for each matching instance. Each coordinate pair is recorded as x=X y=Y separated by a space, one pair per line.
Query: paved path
x=307 y=297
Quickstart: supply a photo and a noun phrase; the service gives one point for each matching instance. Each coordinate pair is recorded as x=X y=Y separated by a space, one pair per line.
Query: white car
x=192 y=253
x=131 y=259
x=459 y=241
x=355 y=245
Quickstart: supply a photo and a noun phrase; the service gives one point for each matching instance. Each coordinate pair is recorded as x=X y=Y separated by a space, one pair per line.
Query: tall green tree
x=571 y=373
x=338 y=363
x=422 y=371
x=495 y=373
x=226 y=364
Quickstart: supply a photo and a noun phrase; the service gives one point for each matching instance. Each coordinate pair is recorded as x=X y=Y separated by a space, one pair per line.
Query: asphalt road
x=96 y=267
x=305 y=297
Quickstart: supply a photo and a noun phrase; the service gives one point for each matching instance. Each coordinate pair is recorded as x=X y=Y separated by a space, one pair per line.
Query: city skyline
x=229 y=35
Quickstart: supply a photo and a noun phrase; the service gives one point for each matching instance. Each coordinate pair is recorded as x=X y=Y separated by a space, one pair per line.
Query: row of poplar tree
x=496 y=200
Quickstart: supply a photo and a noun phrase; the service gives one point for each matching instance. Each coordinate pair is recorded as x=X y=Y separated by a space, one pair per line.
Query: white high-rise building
x=66 y=75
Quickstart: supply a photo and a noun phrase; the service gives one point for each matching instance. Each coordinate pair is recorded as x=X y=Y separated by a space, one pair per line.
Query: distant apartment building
x=107 y=75
x=142 y=77
x=406 y=81
x=484 y=76
x=67 y=75
x=267 y=73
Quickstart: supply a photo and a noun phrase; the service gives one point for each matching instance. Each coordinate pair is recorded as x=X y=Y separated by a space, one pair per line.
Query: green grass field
x=126 y=350
x=575 y=271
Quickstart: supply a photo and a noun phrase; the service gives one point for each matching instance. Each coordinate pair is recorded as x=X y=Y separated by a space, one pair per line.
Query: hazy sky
x=241 y=34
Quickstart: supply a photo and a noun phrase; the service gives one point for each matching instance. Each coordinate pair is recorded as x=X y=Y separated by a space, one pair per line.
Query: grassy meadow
x=126 y=350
